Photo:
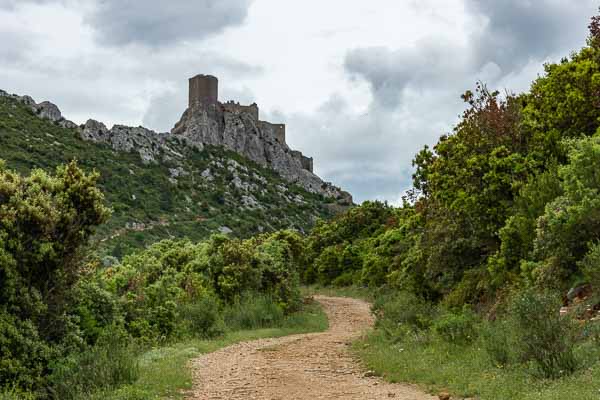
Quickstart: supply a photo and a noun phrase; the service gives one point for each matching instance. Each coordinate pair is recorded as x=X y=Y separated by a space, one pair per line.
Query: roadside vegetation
x=73 y=326
x=499 y=232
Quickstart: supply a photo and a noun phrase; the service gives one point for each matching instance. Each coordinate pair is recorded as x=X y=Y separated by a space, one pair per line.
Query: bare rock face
x=124 y=138
x=49 y=111
x=95 y=131
x=214 y=124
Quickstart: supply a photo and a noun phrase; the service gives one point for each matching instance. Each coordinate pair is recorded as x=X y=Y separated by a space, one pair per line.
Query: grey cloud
x=11 y=4
x=369 y=152
x=513 y=33
x=516 y=31
x=15 y=47
x=156 y=22
x=389 y=72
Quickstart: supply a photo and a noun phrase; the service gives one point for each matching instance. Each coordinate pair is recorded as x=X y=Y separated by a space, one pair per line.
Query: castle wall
x=236 y=108
x=278 y=130
x=307 y=163
x=203 y=89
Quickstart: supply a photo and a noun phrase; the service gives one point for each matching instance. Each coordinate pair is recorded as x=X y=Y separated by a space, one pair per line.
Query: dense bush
x=44 y=222
x=402 y=312
x=543 y=336
x=202 y=318
x=336 y=250
x=530 y=329
x=110 y=362
x=174 y=286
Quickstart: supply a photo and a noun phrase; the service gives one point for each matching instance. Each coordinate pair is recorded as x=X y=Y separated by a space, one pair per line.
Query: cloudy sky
x=362 y=85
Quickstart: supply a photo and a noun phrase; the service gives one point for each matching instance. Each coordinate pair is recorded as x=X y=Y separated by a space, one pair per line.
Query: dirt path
x=310 y=366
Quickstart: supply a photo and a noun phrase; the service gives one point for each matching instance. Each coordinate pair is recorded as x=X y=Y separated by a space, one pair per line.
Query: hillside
x=190 y=192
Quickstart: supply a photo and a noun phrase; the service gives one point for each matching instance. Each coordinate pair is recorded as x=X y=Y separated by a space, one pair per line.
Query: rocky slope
x=161 y=185
x=239 y=130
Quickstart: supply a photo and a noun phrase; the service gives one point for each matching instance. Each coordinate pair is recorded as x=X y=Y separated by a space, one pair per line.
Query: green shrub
x=15 y=394
x=111 y=362
x=456 y=328
x=253 y=312
x=96 y=308
x=23 y=354
x=543 y=336
x=202 y=318
x=401 y=312
x=498 y=342
x=346 y=279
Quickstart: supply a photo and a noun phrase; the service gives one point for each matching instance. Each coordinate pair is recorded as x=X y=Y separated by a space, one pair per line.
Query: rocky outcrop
x=151 y=146
x=215 y=124
x=45 y=109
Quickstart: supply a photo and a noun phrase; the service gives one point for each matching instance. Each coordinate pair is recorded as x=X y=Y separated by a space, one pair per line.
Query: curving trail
x=298 y=367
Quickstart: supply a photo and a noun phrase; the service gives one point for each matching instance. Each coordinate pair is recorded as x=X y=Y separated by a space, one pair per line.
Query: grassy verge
x=466 y=371
x=164 y=372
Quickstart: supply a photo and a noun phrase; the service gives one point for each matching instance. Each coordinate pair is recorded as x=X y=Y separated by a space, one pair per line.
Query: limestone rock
x=49 y=111
x=177 y=172
x=146 y=142
x=225 y=230
x=95 y=131
x=27 y=100
x=215 y=124
x=65 y=123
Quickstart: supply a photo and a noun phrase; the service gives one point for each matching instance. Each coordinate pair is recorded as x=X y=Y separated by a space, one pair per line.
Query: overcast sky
x=361 y=85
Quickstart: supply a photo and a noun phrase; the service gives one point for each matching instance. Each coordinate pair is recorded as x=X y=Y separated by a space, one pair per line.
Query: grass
x=466 y=371
x=165 y=373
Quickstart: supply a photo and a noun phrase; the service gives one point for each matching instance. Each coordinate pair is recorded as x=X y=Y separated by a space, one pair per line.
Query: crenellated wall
x=237 y=108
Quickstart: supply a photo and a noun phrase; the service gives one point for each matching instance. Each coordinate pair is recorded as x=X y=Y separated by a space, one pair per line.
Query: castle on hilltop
x=205 y=122
x=204 y=92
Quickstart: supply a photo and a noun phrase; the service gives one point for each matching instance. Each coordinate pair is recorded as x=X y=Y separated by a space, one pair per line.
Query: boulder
x=49 y=111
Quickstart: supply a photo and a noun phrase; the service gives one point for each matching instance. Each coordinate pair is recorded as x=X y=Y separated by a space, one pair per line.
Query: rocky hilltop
x=206 y=122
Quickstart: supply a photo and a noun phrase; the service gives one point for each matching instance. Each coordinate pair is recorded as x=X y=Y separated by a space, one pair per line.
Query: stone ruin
x=204 y=92
x=238 y=127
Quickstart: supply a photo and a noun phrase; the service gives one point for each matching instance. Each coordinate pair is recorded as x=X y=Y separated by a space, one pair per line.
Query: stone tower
x=204 y=89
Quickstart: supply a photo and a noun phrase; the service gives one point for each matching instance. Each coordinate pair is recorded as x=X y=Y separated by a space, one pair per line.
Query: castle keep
x=203 y=89
x=204 y=93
